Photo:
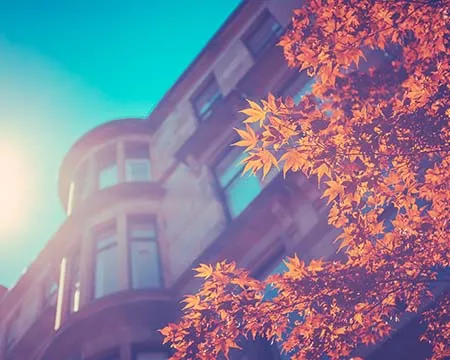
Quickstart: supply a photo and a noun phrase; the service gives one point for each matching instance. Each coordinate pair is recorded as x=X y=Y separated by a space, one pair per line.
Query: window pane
x=107 y=177
x=137 y=161
x=106 y=274
x=301 y=86
x=137 y=170
x=229 y=167
x=208 y=96
x=241 y=192
x=144 y=265
x=107 y=167
x=151 y=356
x=141 y=228
x=267 y=32
x=105 y=237
x=74 y=291
x=81 y=182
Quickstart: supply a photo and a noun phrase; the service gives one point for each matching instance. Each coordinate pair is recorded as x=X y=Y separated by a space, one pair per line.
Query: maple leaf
x=255 y=113
x=204 y=271
x=358 y=318
x=191 y=301
x=334 y=190
x=316 y=265
x=296 y=267
x=249 y=138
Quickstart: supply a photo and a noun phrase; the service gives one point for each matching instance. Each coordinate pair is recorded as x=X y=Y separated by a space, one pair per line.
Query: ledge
x=126 y=316
x=105 y=198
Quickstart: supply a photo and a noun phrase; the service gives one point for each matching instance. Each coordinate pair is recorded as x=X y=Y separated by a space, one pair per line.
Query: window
x=239 y=190
x=264 y=34
x=205 y=99
x=299 y=86
x=144 y=259
x=151 y=356
x=81 y=182
x=137 y=161
x=106 y=260
x=74 y=285
x=107 y=167
x=50 y=288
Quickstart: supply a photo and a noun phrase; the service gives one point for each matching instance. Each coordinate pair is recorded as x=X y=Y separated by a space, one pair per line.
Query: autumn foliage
x=377 y=138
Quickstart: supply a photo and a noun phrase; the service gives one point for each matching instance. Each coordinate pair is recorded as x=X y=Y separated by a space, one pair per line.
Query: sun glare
x=13 y=188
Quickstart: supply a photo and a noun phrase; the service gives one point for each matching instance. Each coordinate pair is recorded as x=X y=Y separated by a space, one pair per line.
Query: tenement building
x=148 y=199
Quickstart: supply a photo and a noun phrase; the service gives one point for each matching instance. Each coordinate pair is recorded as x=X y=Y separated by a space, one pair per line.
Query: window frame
x=81 y=176
x=74 y=280
x=94 y=231
x=127 y=157
x=222 y=190
x=99 y=156
x=204 y=85
x=130 y=240
x=291 y=81
x=253 y=29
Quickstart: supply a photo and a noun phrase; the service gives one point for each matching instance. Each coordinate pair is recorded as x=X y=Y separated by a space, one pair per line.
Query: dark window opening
x=206 y=98
x=263 y=35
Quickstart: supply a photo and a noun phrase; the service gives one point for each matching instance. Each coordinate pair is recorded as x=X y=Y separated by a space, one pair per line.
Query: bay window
x=144 y=254
x=106 y=260
x=137 y=161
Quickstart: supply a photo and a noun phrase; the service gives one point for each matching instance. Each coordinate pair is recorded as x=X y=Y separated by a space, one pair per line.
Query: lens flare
x=14 y=181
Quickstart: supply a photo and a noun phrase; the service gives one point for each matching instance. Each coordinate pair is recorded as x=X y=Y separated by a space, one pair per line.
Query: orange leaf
x=204 y=271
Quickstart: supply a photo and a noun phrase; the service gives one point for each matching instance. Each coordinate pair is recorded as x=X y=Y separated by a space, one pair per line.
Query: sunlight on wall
x=59 y=303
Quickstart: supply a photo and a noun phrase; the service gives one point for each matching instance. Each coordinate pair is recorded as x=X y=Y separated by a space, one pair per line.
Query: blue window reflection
x=239 y=190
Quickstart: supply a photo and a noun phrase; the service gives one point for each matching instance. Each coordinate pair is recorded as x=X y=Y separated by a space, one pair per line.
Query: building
x=148 y=199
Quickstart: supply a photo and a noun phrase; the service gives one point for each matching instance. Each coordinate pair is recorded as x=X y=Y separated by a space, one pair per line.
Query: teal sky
x=67 y=66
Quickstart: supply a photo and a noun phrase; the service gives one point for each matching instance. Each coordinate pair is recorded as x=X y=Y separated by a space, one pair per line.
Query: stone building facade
x=148 y=199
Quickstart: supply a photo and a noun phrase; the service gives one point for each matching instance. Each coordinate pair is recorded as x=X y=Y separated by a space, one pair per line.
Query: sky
x=66 y=67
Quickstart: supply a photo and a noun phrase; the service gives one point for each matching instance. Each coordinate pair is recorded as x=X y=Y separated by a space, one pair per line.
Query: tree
x=378 y=142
